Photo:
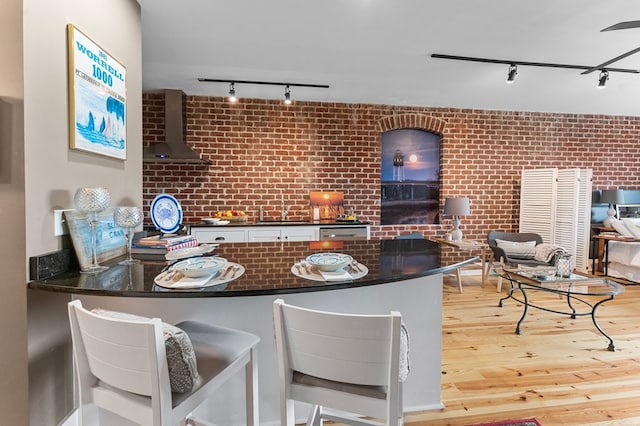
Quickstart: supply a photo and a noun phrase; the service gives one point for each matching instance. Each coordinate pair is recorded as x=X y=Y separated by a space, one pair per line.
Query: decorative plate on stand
x=166 y=213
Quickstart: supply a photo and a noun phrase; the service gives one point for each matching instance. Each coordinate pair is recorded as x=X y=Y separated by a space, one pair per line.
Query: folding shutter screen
x=557 y=205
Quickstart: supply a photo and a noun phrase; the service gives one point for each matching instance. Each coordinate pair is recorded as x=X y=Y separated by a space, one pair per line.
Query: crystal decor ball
x=92 y=199
x=127 y=217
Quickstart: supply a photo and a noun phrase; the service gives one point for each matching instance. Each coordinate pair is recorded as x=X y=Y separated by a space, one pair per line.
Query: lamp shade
x=458 y=206
x=612 y=196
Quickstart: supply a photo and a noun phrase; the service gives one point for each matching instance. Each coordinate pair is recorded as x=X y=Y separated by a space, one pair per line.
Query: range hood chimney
x=174 y=149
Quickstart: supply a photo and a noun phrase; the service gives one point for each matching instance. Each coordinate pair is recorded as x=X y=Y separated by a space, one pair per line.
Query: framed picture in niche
x=410 y=177
x=97 y=98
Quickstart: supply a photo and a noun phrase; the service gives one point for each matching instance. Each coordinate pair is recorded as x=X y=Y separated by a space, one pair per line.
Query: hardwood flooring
x=558 y=370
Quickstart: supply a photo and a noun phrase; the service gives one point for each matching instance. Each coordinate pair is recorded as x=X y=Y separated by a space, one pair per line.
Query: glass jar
x=563 y=266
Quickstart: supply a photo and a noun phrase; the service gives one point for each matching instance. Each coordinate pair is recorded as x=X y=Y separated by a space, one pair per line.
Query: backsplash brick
x=262 y=150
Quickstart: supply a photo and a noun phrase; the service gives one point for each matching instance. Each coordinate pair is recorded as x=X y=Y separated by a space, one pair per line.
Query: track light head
x=232 y=93
x=511 y=75
x=602 y=80
x=287 y=95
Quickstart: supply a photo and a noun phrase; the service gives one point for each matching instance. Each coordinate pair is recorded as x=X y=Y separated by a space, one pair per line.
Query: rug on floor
x=519 y=422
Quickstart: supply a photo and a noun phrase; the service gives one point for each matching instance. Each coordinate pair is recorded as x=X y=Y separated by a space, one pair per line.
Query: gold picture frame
x=97 y=98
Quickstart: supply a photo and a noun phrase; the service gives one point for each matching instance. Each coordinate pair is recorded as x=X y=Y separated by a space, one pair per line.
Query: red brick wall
x=262 y=150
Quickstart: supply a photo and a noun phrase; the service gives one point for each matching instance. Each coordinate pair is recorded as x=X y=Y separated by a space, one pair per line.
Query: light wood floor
x=558 y=370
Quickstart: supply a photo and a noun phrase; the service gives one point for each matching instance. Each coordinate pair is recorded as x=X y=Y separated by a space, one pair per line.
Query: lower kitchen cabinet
x=289 y=233
x=243 y=234
x=216 y=235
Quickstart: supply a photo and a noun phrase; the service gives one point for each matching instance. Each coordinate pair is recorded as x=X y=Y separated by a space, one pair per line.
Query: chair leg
x=499 y=286
x=459 y=279
x=251 y=391
x=287 y=412
x=315 y=416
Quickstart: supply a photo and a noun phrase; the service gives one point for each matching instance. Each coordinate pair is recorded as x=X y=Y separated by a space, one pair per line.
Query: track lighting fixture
x=232 y=92
x=287 y=95
x=602 y=80
x=513 y=71
x=287 y=86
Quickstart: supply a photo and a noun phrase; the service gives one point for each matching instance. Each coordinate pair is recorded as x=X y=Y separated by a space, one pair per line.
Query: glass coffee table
x=583 y=294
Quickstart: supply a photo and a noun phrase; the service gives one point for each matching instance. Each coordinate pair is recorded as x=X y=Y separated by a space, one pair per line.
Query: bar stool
x=123 y=367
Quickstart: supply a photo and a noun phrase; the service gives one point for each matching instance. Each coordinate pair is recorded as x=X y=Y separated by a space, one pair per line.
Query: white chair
x=121 y=366
x=342 y=362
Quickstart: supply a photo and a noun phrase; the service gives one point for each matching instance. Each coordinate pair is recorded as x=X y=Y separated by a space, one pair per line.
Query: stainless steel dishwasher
x=344 y=233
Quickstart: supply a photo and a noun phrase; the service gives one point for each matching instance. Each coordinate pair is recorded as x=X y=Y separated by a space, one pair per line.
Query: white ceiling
x=378 y=51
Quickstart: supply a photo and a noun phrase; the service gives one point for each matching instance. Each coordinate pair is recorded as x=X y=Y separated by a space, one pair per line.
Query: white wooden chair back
x=129 y=357
x=346 y=348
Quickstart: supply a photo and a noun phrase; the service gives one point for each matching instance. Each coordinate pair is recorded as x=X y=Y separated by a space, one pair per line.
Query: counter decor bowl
x=197 y=267
x=329 y=262
x=211 y=220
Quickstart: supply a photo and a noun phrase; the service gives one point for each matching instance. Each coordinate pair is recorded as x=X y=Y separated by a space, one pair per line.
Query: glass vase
x=128 y=218
x=92 y=201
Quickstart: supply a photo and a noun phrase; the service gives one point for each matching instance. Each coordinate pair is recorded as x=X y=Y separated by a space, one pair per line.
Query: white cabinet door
x=264 y=234
x=300 y=233
x=284 y=233
x=215 y=235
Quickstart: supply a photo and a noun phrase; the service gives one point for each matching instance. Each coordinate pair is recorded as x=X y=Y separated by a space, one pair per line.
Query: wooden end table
x=469 y=246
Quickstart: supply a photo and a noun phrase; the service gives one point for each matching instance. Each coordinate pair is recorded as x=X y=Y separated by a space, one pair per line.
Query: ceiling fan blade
x=616 y=59
x=623 y=26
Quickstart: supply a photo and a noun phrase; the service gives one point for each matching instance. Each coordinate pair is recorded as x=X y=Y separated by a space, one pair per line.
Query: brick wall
x=262 y=150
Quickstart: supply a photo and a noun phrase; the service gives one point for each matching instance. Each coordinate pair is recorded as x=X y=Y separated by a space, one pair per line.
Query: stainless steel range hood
x=174 y=149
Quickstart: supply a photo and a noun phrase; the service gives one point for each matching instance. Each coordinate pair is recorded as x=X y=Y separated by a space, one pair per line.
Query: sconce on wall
x=287 y=86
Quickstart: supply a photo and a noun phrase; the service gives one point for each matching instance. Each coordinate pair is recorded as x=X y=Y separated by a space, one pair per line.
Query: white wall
x=13 y=306
x=53 y=171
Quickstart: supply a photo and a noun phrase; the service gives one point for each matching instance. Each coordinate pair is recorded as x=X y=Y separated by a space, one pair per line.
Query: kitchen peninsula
x=403 y=275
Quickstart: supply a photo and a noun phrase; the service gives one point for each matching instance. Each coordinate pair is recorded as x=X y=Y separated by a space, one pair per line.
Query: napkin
x=341 y=275
x=187 y=282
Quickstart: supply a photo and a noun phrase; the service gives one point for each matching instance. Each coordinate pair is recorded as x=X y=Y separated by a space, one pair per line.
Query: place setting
x=199 y=272
x=329 y=267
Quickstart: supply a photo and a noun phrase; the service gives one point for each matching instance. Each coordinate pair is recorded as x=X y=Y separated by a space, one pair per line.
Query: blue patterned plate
x=166 y=213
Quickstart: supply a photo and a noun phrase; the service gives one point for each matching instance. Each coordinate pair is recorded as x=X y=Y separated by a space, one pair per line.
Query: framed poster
x=97 y=98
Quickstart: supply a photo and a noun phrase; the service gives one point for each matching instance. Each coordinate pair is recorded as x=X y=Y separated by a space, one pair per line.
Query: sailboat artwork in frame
x=97 y=98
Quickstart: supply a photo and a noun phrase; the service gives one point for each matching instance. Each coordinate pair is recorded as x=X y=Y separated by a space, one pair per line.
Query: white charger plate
x=315 y=275
x=165 y=279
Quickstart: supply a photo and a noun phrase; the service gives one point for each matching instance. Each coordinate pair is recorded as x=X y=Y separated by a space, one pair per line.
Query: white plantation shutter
x=556 y=204
x=538 y=202
x=566 y=225
x=583 y=232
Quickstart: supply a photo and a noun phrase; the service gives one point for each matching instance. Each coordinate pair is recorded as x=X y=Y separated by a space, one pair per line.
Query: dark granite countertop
x=268 y=269
x=330 y=222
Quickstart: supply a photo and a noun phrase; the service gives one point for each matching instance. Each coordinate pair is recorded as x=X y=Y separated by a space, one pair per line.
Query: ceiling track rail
x=586 y=68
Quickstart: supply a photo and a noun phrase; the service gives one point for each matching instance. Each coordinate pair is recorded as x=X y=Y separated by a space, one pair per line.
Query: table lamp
x=611 y=197
x=456 y=207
